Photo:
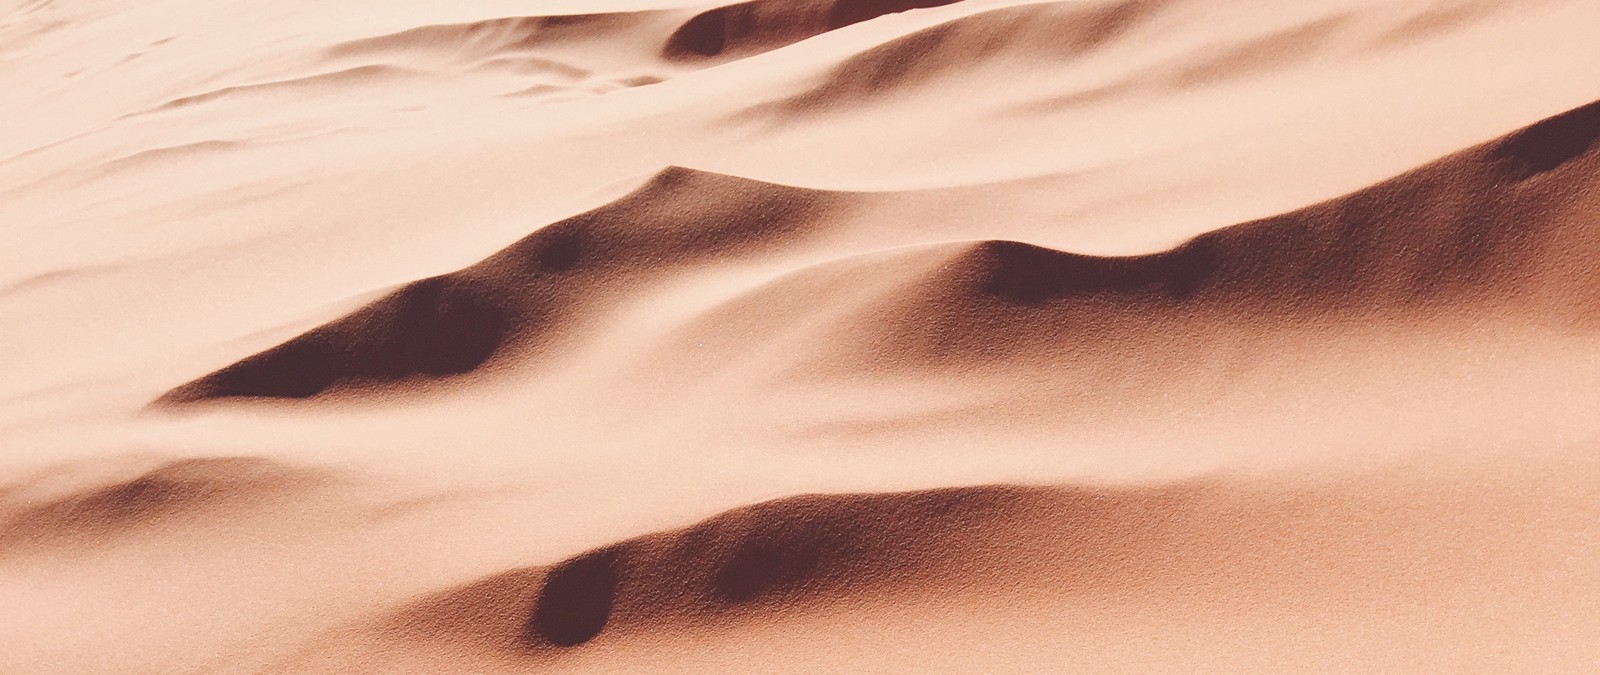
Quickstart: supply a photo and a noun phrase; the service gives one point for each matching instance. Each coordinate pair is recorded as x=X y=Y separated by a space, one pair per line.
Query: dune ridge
x=528 y=293
x=790 y=553
x=1081 y=548
x=1505 y=227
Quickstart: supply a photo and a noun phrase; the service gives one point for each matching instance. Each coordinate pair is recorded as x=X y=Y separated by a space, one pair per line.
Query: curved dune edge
x=1506 y=225
x=1503 y=228
x=526 y=296
x=1087 y=553
x=748 y=28
x=775 y=558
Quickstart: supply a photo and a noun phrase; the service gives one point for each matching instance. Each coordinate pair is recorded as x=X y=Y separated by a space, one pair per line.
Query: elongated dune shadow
x=530 y=295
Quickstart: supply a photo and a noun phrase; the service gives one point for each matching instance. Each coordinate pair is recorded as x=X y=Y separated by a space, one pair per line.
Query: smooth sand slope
x=812 y=336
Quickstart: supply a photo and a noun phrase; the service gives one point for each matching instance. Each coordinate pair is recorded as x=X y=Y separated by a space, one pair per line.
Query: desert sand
x=632 y=336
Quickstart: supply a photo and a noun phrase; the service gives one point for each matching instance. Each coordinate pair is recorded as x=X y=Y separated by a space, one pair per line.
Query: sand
x=799 y=336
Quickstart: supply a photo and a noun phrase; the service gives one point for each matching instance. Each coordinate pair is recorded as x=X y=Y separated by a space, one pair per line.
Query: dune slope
x=1506 y=222
x=620 y=336
x=527 y=294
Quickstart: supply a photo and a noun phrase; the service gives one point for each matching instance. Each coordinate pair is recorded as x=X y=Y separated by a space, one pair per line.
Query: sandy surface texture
x=835 y=336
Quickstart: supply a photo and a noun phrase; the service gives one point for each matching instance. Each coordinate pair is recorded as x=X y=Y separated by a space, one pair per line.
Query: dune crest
x=529 y=293
x=1494 y=237
x=1469 y=234
x=787 y=554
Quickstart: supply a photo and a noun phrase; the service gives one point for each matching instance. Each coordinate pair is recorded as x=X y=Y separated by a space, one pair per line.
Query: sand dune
x=770 y=555
x=810 y=336
x=942 y=552
x=1507 y=223
x=529 y=292
x=774 y=557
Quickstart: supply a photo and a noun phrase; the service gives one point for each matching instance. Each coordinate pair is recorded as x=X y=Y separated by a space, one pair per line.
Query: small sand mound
x=748 y=28
x=529 y=293
x=179 y=489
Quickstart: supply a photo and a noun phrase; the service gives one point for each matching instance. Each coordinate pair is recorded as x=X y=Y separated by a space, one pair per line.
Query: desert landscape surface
x=836 y=336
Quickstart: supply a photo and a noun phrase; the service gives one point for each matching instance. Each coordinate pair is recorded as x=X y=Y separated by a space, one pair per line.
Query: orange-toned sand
x=630 y=336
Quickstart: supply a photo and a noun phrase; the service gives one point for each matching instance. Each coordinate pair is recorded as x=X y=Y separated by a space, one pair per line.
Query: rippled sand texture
x=629 y=336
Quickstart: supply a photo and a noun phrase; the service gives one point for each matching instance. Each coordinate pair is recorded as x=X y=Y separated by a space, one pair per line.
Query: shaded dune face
x=576 y=600
x=787 y=555
x=1469 y=228
x=1473 y=234
x=432 y=328
x=758 y=26
x=528 y=294
x=189 y=488
x=1469 y=232
x=1495 y=226
x=1550 y=144
x=1023 y=274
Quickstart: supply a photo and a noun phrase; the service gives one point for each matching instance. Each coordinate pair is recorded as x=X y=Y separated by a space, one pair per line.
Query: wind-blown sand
x=800 y=336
